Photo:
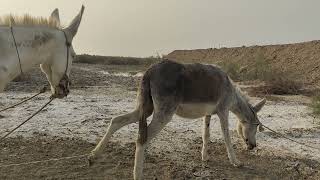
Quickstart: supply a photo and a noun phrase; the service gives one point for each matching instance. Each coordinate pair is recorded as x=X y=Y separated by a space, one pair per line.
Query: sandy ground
x=73 y=125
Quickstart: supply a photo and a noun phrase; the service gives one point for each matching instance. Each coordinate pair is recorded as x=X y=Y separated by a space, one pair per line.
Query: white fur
x=196 y=110
x=205 y=138
x=37 y=45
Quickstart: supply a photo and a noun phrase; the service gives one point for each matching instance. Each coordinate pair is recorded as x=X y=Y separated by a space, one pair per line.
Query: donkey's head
x=57 y=67
x=249 y=123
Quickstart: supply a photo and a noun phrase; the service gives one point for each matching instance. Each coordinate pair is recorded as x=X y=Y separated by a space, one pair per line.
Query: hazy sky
x=145 y=27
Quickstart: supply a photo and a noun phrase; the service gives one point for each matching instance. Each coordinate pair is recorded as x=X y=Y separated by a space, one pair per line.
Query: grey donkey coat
x=190 y=91
x=179 y=84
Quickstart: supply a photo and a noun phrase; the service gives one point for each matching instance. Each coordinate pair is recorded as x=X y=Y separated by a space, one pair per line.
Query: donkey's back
x=189 y=83
x=191 y=90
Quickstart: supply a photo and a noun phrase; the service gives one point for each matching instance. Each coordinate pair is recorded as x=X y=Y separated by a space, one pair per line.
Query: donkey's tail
x=145 y=105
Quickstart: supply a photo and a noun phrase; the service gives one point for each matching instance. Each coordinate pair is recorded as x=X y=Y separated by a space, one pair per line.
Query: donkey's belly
x=193 y=111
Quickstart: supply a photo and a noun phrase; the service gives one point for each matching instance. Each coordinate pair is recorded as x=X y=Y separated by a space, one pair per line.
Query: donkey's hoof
x=91 y=159
x=237 y=164
x=205 y=158
x=1 y=116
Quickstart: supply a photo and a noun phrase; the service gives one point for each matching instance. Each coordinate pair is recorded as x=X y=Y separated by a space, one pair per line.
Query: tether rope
x=48 y=160
x=284 y=136
x=15 y=44
x=3 y=137
x=43 y=90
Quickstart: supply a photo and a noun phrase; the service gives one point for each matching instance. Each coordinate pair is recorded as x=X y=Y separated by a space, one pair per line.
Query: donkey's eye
x=247 y=140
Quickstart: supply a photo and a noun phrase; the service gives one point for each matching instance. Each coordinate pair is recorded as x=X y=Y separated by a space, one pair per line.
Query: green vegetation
x=260 y=70
x=232 y=69
x=315 y=105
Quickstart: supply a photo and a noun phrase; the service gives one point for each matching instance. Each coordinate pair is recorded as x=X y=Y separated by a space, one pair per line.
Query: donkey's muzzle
x=251 y=146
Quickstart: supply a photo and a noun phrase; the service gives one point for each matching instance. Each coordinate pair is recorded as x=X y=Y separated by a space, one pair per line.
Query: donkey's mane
x=239 y=92
x=12 y=20
x=242 y=94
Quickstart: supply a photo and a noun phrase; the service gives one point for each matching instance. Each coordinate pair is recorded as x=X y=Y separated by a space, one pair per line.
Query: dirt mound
x=301 y=60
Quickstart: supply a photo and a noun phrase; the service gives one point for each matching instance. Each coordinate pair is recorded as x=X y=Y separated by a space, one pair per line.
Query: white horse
x=26 y=41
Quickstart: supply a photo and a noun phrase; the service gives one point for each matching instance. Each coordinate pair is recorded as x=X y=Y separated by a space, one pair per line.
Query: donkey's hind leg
x=223 y=116
x=205 y=137
x=115 y=124
x=159 y=120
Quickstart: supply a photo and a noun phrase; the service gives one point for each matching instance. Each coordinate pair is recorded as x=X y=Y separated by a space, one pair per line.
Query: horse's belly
x=193 y=111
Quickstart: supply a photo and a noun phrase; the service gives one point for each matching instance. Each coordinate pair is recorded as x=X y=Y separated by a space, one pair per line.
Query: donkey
x=26 y=41
x=190 y=91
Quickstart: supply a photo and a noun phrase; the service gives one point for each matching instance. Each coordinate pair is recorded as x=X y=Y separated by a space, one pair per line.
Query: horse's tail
x=145 y=105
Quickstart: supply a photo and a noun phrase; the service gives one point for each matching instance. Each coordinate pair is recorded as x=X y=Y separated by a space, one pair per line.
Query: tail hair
x=145 y=102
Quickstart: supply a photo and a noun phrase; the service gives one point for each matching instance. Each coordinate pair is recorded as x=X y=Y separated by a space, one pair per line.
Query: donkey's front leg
x=2 y=85
x=223 y=116
x=205 y=137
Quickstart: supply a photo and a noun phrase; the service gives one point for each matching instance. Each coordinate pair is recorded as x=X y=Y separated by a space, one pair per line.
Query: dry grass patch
x=275 y=81
x=315 y=105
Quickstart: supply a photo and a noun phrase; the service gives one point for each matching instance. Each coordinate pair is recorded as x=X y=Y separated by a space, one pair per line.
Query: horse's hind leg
x=205 y=137
x=115 y=124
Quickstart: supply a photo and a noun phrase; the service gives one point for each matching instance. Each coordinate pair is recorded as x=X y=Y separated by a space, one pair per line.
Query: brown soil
x=117 y=162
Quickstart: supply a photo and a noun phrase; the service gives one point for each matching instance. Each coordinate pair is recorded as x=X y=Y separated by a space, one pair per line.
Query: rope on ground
x=51 y=99
x=105 y=86
x=48 y=160
x=282 y=135
x=21 y=102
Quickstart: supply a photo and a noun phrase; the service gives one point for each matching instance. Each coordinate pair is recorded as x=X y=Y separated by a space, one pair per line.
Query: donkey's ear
x=259 y=105
x=72 y=29
x=55 y=16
